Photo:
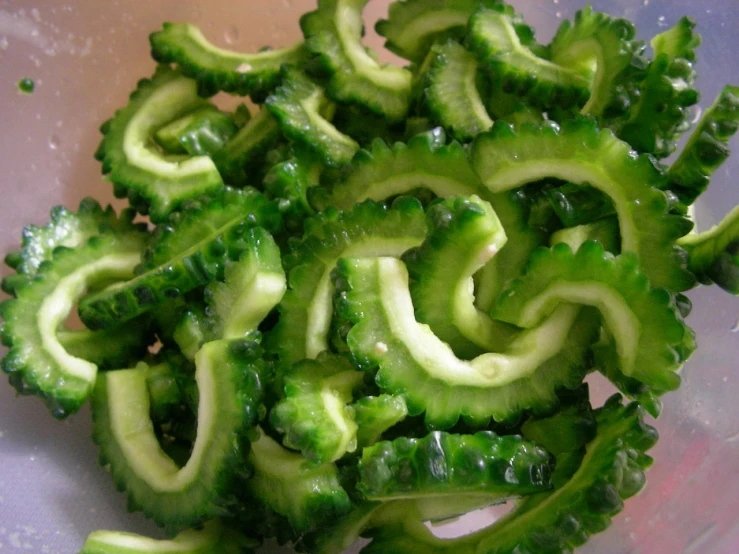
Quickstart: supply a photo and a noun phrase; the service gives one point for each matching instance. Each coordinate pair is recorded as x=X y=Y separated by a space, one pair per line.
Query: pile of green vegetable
x=371 y=303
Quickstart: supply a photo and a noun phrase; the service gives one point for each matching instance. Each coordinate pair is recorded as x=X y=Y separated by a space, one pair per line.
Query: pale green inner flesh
x=402 y=183
x=586 y=54
x=349 y=25
x=312 y=109
x=523 y=356
x=128 y=404
x=163 y=105
x=577 y=172
x=56 y=307
x=261 y=292
x=335 y=395
x=619 y=318
x=729 y=222
x=473 y=95
x=429 y=23
x=319 y=311
x=186 y=542
x=254 y=132
x=273 y=57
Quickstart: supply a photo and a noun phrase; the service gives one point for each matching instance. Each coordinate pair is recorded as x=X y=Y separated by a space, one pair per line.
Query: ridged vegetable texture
x=367 y=298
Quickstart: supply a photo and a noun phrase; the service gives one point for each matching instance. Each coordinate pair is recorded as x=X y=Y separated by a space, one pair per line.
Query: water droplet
x=661 y=22
x=556 y=1
x=54 y=142
x=632 y=536
x=35 y=14
x=232 y=34
x=725 y=379
x=4 y=43
x=646 y=2
x=289 y=3
x=735 y=328
x=559 y=15
x=697 y=115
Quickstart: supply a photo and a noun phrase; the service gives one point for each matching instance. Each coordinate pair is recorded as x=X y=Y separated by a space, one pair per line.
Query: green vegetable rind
x=508 y=158
x=612 y=470
x=299 y=105
x=191 y=250
x=376 y=414
x=370 y=228
x=127 y=156
x=202 y=132
x=217 y=69
x=443 y=463
x=333 y=32
x=109 y=348
x=229 y=376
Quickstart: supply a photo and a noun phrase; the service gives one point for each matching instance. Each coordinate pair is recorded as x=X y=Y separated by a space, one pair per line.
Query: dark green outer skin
x=579 y=145
x=190 y=251
x=662 y=332
x=239 y=388
x=579 y=205
x=375 y=414
x=611 y=471
x=444 y=463
x=707 y=147
x=214 y=73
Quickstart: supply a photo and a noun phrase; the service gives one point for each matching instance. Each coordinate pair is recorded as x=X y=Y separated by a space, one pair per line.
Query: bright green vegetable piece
x=240 y=159
x=310 y=496
x=465 y=233
x=706 y=148
x=314 y=416
x=376 y=414
x=252 y=286
x=645 y=321
x=365 y=126
x=602 y=49
x=502 y=43
x=300 y=106
x=661 y=113
x=714 y=254
x=214 y=538
x=441 y=464
x=334 y=33
x=217 y=69
x=155 y=183
x=612 y=469
x=200 y=133
x=191 y=250
x=36 y=361
x=413 y=26
x=452 y=95
x=373 y=299
x=580 y=153
x=605 y=231
x=109 y=348
x=193 y=330
x=163 y=374
x=579 y=205
x=228 y=376
x=370 y=229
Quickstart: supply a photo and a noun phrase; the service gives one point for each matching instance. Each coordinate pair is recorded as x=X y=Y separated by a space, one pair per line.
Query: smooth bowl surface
x=86 y=56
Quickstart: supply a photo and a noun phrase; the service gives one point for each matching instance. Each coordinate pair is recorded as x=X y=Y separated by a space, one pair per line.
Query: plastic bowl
x=85 y=58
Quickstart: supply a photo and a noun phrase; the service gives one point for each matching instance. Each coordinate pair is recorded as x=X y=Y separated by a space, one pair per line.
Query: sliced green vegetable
x=199 y=133
x=155 y=183
x=191 y=250
x=579 y=205
x=299 y=106
x=109 y=348
x=373 y=298
x=578 y=152
x=334 y=33
x=376 y=414
x=217 y=69
x=605 y=231
x=314 y=415
x=193 y=330
x=370 y=229
x=228 y=377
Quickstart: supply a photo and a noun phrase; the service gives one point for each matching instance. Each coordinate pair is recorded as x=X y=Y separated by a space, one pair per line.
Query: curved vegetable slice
x=597 y=39
x=452 y=94
x=579 y=205
x=308 y=495
x=36 y=360
x=706 y=148
x=502 y=42
x=611 y=470
x=109 y=348
x=464 y=235
x=301 y=108
x=384 y=171
x=191 y=250
x=376 y=414
x=334 y=33
x=200 y=133
x=714 y=254
x=645 y=322
x=605 y=231
x=239 y=160
x=373 y=298
x=251 y=288
x=370 y=229
x=229 y=385
x=313 y=415
x=217 y=69
x=661 y=112
x=580 y=153
x=155 y=183
x=441 y=464
x=214 y=538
